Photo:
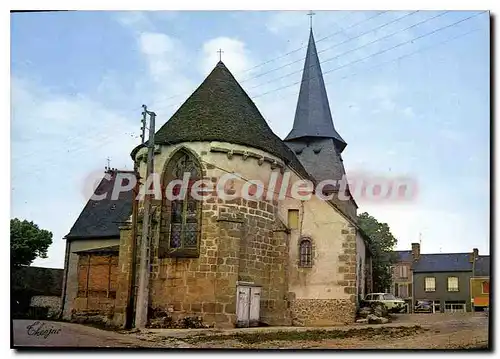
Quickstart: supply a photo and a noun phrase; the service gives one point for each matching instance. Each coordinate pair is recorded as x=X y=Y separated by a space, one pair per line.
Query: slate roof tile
x=102 y=218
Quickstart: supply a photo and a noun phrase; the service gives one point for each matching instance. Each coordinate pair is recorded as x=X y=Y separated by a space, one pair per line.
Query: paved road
x=33 y=333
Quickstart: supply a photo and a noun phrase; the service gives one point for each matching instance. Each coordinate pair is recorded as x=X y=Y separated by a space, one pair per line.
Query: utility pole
x=141 y=312
x=132 y=301
x=143 y=122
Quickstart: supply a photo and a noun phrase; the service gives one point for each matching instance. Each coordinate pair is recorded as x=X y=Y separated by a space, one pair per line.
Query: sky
x=408 y=91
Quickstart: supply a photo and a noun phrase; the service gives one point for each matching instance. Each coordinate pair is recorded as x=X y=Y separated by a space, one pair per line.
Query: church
x=279 y=261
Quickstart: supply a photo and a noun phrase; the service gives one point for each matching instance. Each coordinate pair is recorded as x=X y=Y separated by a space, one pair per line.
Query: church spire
x=312 y=116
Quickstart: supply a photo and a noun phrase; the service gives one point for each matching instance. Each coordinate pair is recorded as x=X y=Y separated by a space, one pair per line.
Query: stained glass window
x=184 y=212
x=305 y=253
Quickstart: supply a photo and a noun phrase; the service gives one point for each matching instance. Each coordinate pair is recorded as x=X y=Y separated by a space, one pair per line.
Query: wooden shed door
x=243 y=306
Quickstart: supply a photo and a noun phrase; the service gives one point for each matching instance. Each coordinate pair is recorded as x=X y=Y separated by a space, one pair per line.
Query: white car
x=392 y=303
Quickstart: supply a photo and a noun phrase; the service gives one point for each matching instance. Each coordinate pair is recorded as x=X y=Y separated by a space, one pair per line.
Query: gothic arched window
x=305 y=249
x=183 y=215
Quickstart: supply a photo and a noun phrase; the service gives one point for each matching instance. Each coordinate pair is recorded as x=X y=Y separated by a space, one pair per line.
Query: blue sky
x=420 y=108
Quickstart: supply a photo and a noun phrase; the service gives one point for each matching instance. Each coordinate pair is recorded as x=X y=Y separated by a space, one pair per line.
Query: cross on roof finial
x=311 y=14
x=107 y=159
x=220 y=54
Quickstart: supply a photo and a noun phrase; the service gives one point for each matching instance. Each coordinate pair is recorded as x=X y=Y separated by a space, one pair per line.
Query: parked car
x=423 y=306
x=392 y=303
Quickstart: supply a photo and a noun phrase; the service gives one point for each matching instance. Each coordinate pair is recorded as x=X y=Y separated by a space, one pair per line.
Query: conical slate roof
x=220 y=110
x=312 y=116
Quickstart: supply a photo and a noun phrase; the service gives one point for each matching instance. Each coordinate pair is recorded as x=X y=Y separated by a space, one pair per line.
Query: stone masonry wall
x=47 y=301
x=332 y=311
x=123 y=291
x=238 y=243
x=321 y=312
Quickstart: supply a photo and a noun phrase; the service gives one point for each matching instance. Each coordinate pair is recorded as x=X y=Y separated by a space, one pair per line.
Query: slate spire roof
x=312 y=116
x=220 y=110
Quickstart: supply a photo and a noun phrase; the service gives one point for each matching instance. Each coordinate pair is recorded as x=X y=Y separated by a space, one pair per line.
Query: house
x=443 y=279
x=36 y=290
x=227 y=258
x=402 y=277
x=480 y=283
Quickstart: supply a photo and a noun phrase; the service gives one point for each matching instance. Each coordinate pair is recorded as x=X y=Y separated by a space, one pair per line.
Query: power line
x=293 y=51
x=372 y=55
x=322 y=39
x=79 y=149
x=412 y=53
x=344 y=53
x=400 y=57
x=359 y=47
x=331 y=47
x=300 y=48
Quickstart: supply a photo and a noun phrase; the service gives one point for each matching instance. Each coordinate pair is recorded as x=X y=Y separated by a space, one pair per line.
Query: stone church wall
x=246 y=240
x=241 y=240
x=323 y=294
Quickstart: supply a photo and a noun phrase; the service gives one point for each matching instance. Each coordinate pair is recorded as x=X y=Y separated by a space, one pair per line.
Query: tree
x=27 y=242
x=381 y=243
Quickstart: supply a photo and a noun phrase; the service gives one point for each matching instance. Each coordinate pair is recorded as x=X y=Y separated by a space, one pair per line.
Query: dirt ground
x=406 y=331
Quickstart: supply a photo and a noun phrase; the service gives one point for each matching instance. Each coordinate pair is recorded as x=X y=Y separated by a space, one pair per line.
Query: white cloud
x=69 y=137
x=235 y=55
x=155 y=43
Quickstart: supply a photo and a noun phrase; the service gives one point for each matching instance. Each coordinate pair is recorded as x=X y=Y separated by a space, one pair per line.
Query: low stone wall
x=45 y=301
x=322 y=312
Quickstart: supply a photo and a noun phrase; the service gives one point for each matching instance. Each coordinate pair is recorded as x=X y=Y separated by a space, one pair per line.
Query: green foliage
x=381 y=243
x=27 y=242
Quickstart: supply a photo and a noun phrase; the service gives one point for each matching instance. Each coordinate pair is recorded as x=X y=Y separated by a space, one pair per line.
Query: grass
x=309 y=335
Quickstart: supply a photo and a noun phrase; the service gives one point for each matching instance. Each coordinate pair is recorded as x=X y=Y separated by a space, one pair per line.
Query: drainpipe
x=65 y=277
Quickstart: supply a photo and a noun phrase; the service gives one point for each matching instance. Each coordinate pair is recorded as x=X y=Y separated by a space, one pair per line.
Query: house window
x=430 y=284
x=183 y=214
x=485 y=287
x=403 y=291
x=293 y=218
x=452 y=284
x=403 y=272
x=305 y=253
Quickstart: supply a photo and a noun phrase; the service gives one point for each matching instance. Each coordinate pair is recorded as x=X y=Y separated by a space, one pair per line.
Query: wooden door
x=254 y=316
x=243 y=306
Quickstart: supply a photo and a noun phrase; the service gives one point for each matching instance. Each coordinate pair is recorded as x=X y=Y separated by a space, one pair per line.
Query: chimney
x=474 y=255
x=415 y=251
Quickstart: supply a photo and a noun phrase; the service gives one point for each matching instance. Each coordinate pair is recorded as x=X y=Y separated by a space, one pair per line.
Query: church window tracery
x=305 y=253
x=183 y=214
